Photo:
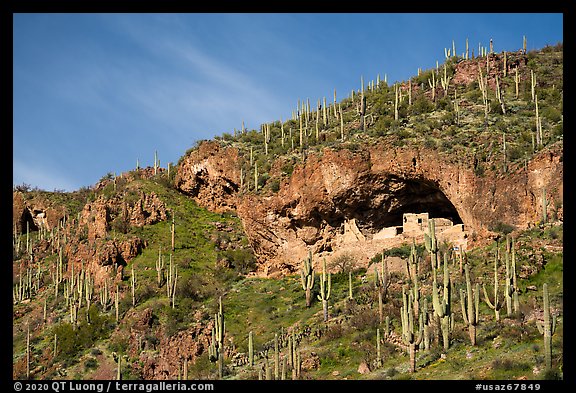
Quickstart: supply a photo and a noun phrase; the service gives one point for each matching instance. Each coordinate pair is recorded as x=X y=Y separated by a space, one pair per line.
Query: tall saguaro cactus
x=251 y=348
x=350 y=294
x=119 y=369
x=216 y=348
x=511 y=289
x=307 y=278
x=325 y=286
x=160 y=267
x=410 y=336
x=276 y=357
x=442 y=307
x=173 y=233
x=171 y=282
x=431 y=244
x=516 y=301
x=378 y=350
x=362 y=105
x=382 y=282
x=547 y=328
x=133 y=282
x=497 y=304
x=470 y=305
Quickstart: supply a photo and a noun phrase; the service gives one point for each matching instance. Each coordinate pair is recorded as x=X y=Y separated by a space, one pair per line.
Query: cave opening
x=394 y=197
x=27 y=218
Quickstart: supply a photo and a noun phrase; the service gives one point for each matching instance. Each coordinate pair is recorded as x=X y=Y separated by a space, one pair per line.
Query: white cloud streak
x=38 y=174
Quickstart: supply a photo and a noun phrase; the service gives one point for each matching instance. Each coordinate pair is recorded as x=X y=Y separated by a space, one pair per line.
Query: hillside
x=134 y=275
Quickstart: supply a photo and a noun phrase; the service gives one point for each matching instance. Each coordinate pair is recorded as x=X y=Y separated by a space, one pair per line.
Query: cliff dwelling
x=365 y=244
x=414 y=225
x=396 y=214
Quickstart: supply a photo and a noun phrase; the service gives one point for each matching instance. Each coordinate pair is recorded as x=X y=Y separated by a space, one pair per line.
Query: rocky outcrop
x=97 y=216
x=101 y=257
x=88 y=242
x=148 y=210
x=210 y=175
x=187 y=344
x=374 y=186
x=38 y=212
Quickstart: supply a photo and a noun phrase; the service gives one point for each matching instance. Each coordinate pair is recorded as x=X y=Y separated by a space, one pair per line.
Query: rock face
x=98 y=215
x=148 y=210
x=188 y=344
x=101 y=257
x=374 y=187
x=210 y=176
x=37 y=212
x=88 y=242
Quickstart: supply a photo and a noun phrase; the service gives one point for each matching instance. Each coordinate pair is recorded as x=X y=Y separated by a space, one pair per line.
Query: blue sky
x=93 y=93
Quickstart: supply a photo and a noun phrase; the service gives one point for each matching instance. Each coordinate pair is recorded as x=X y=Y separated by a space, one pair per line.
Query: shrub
x=502 y=227
x=242 y=260
x=421 y=105
x=444 y=103
x=382 y=124
x=22 y=187
x=274 y=185
x=552 y=114
x=71 y=341
x=429 y=143
x=344 y=263
x=364 y=319
x=90 y=364
x=119 y=224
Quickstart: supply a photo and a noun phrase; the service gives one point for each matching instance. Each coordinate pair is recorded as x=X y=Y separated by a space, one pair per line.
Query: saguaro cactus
x=497 y=304
x=445 y=81
x=499 y=96
x=524 y=44
x=119 y=369
x=470 y=305
x=412 y=263
x=382 y=282
x=431 y=244
x=378 y=350
x=426 y=325
x=410 y=336
x=396 y=101
x=442 y=308
x=160 y=267
x=171 y=282
x=547 y=328
x=116 y=304
x=307 y=278
x=516 y=80
x=325 y=286
x=250 y=349
x=516 y=301
x=216 y=348
x=433 y=84
x=133 y=282
x=156 y=162
x=510 y=288
x=276 y=357
x=350 y=295
x=88 y=293
x=173 y=233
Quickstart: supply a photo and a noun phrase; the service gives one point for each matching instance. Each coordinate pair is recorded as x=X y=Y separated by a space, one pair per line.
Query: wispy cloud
x=39 y=174
x=198 y=87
